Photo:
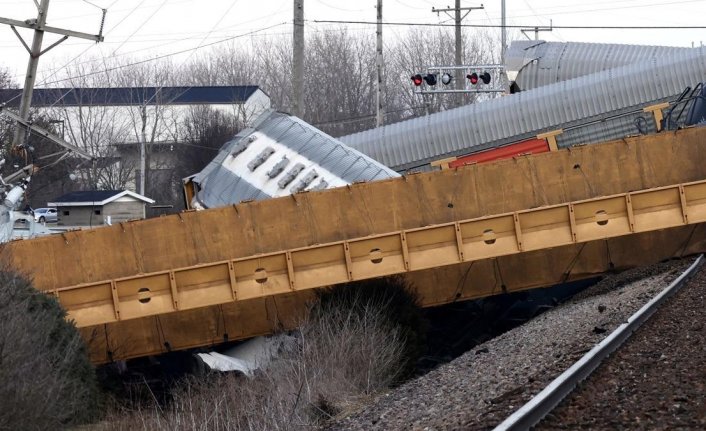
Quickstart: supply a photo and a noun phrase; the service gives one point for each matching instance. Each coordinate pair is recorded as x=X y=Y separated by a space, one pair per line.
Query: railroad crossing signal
x=429 y=78
x=480 y=79
x=474 y=77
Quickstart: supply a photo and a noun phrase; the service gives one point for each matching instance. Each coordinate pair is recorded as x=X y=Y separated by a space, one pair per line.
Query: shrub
x=357 y=341
x=46 y=379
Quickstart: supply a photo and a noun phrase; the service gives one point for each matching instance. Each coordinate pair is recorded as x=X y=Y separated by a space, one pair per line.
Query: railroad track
x=544 y=402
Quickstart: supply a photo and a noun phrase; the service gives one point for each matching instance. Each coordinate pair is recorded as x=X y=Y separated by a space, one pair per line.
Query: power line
x=125 y=17
x=92 y=4
x=170 y=40
x=54 y=71
x=197 y=47
x=330 y=6
x=147 y=60
x=577 y=11
x=412 y=7
x=140 y=26
x=196 y=35
x=581 y=27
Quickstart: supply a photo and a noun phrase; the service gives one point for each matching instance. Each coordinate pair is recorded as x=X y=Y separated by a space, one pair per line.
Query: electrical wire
x=582 y=27
x=576 y=11
x=339 y=8
x=92 y=4
x=126 y=16
x=171 y=54
x=192 y=53
x=170 y=42
x=539 y=19
x=410 y=6
x=141 y=25
x=584 y=11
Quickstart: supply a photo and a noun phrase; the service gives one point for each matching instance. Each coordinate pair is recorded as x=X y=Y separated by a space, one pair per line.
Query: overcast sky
x=148 y=28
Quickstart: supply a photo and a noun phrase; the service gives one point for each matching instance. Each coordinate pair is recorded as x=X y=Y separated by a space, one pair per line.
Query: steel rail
x=543 y=403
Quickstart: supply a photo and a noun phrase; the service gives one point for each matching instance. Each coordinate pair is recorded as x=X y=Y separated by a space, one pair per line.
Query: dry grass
x=351 y=347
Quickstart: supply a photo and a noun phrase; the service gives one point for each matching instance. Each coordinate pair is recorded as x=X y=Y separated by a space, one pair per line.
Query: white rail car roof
x=280 y=155
x=535 y=63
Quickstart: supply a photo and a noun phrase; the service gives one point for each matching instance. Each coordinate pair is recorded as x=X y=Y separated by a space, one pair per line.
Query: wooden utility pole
x=39 y=26
x=143 y=155
x=503 y=47
x=379 y=120
x=458 y=19
x=298 y=59
x=503 y=32
x=458 y=60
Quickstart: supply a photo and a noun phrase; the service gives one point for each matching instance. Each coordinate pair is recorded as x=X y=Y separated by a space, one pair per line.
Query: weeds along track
x=483 y=387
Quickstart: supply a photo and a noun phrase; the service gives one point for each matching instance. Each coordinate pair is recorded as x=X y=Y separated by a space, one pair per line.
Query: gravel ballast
x=485 y=385
x=657 y=380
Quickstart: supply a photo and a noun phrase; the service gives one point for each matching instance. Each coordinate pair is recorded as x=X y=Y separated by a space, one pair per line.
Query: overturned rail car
x=200 y=278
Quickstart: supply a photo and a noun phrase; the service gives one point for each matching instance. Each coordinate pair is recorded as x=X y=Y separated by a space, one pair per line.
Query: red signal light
x=474 y=78
x=417 y=80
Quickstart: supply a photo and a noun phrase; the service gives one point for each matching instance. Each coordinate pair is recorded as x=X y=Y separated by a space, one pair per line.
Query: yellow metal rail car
x=199 y=278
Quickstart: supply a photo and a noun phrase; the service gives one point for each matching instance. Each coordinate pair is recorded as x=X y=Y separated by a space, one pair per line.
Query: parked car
x=46 y=215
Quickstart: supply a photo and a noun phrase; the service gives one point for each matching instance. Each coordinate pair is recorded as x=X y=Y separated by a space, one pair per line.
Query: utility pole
x=537 y=29
x=460 y=79
x=503 y=47
x=378 y=60
x=459 y=44
x=503 y=32
x=143 y=143
x=298 y=59
x=39 y=26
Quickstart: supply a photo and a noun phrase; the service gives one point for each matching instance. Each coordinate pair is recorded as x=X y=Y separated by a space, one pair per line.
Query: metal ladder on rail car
x=697 y=110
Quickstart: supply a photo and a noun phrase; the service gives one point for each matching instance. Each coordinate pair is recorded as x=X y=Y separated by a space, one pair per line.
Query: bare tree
x=109 y=131
x=6 y=126
x=340 y=72
x=96 y=129
x=6 y=80
x=203 y=131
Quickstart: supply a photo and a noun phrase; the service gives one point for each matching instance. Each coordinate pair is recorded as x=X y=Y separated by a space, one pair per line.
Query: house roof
x=95 y=198
x=125 y=96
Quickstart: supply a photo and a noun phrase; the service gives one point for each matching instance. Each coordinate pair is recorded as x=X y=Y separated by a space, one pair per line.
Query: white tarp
x=248 y=356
